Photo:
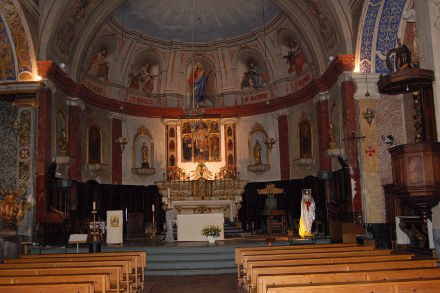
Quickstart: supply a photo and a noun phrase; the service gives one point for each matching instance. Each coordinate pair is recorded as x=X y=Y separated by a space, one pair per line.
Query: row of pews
x=82 y=273
x=338 y=268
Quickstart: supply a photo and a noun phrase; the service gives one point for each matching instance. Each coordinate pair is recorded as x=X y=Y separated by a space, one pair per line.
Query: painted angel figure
x=198 y=81
x=98 y=66
x=295 y=58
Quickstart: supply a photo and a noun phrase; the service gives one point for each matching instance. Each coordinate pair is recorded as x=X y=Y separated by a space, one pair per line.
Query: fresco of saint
x=98 y=66
x=198 y=81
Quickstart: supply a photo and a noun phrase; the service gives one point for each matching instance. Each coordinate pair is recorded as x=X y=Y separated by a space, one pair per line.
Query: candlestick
x=152 y=208
x=168 y=192
x=94 y=205
x=236 y=199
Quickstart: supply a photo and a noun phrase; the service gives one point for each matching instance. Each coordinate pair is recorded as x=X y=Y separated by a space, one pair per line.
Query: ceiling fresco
x=195 y=20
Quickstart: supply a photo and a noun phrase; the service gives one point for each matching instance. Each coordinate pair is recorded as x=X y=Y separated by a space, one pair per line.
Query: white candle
x=236 y=199
x=94 y=205
x=168 y=192
x=152 y=207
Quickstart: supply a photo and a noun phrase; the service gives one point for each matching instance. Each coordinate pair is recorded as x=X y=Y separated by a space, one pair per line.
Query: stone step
x=190 y=272
x=190 y=264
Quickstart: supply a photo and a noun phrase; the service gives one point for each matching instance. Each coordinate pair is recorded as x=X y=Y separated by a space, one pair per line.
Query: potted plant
x=211 y=232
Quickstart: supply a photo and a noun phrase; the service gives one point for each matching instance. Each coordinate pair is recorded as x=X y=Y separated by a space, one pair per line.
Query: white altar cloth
x=212 y=206
x=189 y=227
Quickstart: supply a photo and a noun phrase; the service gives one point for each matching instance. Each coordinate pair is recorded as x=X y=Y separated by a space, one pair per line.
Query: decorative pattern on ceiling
x=15 y=50
x=211 y=19
x=379 y=34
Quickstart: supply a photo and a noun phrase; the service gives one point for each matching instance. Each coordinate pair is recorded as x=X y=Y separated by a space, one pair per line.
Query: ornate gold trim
x=142 y=131
x=24 y=103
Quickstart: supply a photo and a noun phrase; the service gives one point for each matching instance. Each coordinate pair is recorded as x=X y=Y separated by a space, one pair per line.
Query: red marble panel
x=323 y=123
x=351 y=146
x=74 y=143
x=43 y=155
x=116 y=152
x=283 y=131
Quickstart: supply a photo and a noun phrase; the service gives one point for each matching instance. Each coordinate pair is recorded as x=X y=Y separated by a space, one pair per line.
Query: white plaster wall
x=295 y=116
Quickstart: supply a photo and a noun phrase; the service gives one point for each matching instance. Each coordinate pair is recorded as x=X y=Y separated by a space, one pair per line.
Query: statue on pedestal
x=257 y=153
x=144 y=155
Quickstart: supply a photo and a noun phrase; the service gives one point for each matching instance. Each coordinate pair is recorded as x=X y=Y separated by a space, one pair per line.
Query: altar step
x=199 y=260
x=229 y=229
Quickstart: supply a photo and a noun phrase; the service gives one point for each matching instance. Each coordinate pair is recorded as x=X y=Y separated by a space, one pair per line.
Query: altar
x=189 y=227
x=202 y=195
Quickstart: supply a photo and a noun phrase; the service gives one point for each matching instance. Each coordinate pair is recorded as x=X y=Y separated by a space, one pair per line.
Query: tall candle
x=168 y=192
x=236 y=199
x=94 y=205
x=152 y=207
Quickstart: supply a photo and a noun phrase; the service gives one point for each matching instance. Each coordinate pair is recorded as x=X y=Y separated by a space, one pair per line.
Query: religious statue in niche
x=98 y=66
x=94 y=145
x=305 y=138
x=294 y=57
x=257 y=153
x=63 y=142
x=201 y=136
x=198 y=81
x=144 y=155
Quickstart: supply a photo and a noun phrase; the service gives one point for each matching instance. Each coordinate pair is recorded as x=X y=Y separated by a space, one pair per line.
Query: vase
x=211 y=239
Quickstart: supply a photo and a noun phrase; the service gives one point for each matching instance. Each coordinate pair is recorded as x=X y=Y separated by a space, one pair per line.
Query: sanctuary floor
x=222 y=283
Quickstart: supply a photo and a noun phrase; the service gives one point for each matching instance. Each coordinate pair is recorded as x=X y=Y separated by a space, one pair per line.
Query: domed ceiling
x=195 y=20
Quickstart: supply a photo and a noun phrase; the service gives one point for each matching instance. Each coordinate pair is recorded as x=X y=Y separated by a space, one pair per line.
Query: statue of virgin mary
x=197 y=81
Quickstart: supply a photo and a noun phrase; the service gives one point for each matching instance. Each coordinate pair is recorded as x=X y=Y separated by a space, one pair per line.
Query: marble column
x=43 y=158
x=283 y=131
x=321 y=102
x=351 y=145
x=116 y=152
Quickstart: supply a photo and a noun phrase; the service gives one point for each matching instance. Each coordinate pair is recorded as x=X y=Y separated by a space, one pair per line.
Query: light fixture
x=122 y=141
x=369 y=113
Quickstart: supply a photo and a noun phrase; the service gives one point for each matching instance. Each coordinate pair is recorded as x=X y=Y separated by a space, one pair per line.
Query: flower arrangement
x=211 y=231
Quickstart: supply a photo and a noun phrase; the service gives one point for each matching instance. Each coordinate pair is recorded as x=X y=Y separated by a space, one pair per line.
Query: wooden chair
x=277 y=218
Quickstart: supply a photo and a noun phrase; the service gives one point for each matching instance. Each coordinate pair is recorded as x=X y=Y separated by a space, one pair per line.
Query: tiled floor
x=226 y=283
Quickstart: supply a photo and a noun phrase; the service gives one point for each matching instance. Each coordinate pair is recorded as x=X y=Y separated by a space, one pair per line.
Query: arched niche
x=101 y=58
x=143 y=152
x=259 y=154
x=305 y=138
x=144 y=73
x=211 y=85
x=94 y=144
x=294 y=54
x=242 y=66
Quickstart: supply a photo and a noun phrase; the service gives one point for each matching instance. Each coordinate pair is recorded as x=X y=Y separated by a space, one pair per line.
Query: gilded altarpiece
x=200 y=140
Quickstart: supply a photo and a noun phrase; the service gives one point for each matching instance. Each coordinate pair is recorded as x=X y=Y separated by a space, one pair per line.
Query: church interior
x=272 y=135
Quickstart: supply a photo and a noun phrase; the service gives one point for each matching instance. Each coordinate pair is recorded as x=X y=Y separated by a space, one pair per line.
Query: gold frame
x=142 y=131
x=208 y=122
x=305 y=120
x=63 y=118
x=94 y=124
x=257 y=128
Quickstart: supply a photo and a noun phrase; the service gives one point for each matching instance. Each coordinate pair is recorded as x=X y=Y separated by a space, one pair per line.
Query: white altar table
x=189 y=227
x=213 y=206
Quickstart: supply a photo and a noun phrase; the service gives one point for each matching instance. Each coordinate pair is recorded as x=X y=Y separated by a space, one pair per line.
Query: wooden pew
x=279 y=265
x=114 y=272
x=318 y=254
x=239 y=250
x=142 y=254
x=100 y=281
x=390 y=286
x=265 y=281
x=245 y=255
x=78 y=287
x=131 y=266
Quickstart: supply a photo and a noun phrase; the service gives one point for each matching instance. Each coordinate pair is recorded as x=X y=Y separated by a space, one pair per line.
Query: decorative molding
x=75 y=102
x=277 y=114
x=321 y=97
x=25 y=103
